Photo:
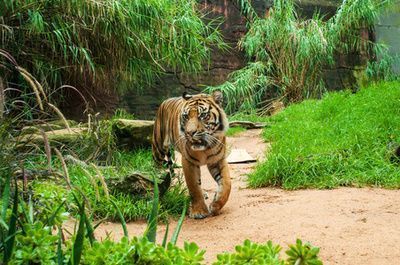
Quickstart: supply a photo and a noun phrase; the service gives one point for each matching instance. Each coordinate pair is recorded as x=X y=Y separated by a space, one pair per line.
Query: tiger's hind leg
x=158 y=155
x=198 y=208
x=220 y=173
x=159 y=152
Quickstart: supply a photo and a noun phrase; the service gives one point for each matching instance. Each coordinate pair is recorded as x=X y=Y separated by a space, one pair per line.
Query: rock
x=137 y=184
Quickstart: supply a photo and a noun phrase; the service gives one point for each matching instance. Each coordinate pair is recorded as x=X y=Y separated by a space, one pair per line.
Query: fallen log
x=248 y=124
x=55 y=137
x=129 y=133
x=48 y=126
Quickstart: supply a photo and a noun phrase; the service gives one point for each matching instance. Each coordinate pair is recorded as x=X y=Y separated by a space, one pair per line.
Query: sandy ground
x=350 y=225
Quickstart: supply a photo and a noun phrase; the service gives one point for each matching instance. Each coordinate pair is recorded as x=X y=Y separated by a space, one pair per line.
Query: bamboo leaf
x=80 y=237
x=12 y=228
x=6 y=196
x=164 y=242
x=60 y=258
x=151 y=231
x=121 y=218
x=90 y=231
x=177 y=230
x=54 y=214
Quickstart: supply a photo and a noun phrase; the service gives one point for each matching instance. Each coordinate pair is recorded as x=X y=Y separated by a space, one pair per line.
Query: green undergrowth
x=242 y=116
x=248 y=116
x=90 y=182
x=233 y=131
x=345 y=139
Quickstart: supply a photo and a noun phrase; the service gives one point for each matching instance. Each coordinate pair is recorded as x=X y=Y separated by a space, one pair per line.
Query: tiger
x=195 y=126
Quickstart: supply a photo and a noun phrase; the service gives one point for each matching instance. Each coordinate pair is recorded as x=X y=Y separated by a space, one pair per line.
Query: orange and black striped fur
x=195 y=125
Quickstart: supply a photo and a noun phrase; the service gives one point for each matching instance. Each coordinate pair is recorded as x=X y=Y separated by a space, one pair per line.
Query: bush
x=91 y=45
x=289 y=53
x=344 y=139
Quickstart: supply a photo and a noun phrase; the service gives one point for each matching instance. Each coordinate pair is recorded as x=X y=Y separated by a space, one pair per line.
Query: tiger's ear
x=218 y=97
x=186 y=95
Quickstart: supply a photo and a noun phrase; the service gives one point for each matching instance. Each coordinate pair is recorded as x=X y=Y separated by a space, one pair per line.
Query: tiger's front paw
x=199 y=212
x=214 y=208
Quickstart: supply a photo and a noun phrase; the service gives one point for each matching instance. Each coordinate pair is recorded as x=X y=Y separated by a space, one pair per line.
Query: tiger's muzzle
x=197 y=140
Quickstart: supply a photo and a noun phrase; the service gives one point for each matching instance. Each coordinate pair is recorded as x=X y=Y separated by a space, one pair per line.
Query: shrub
x=35 y=246
x=91 y=45
x=291 y=53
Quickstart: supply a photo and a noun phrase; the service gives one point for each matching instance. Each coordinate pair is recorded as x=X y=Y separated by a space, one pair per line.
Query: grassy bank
x=344 y=139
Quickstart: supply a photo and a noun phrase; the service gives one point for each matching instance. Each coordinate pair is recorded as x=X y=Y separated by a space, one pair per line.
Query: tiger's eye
x=204 y=116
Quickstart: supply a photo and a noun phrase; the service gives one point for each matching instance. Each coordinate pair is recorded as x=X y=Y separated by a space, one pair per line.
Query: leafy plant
x=48 y=201
x=290 y=53
x=91 y=44
x=253 y=253
x=300 y=254
x=36 y=245
x=381 y=69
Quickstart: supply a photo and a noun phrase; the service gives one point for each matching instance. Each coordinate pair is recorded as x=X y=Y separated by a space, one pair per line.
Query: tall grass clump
x=288 y=53
x=344 y=139
x=94 y=45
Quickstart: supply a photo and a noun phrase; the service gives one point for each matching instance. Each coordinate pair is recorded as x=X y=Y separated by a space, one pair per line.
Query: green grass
x=341 y=140
x=234 y=131
x=241 y=116
x=253 y=117
x=133 y=206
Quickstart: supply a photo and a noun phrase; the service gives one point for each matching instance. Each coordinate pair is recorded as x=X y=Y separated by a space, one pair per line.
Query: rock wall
x=143 y=103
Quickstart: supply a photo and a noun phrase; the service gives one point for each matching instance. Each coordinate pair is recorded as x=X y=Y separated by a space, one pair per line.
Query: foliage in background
x=290 y=53
x=381 y=68
x=344 y=139
x=92 y=45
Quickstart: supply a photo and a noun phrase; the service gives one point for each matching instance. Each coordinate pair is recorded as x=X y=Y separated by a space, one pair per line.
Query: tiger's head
x=202 y=120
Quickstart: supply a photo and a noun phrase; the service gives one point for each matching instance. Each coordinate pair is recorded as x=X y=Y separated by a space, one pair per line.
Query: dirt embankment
x=350 y=225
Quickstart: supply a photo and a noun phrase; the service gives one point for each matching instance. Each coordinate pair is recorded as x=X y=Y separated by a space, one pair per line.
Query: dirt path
x=350 y=225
